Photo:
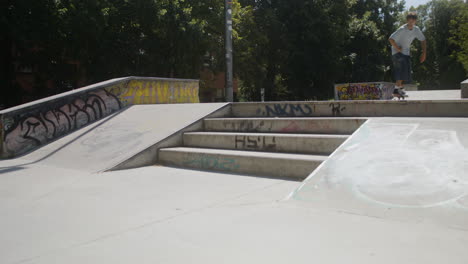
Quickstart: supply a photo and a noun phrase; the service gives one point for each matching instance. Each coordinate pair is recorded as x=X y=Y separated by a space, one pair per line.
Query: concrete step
x=317 y=125
x=296 y=166
x=268 y=142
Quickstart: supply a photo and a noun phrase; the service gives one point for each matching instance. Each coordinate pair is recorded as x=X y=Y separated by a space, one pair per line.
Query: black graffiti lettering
x=32 y=129
x=336 y=109
x=252 y=143
x=287 y=110
x=32 y=125
x=269 y=146
x=239 y=141
x=255 y=143
x=300 y=109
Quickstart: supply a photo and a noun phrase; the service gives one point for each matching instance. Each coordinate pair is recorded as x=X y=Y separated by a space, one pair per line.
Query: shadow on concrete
x=236 y=174
x=11 y=169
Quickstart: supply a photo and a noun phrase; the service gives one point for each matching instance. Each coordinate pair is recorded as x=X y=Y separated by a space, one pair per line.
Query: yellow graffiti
x=358 y=91
x=157 y=92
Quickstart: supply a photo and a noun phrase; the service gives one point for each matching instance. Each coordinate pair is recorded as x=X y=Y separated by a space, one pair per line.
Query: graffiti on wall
x=206 y=162
x=255 y=142
x=24 y=132
x=27 y=128
x=285 y=110
x=336 y=108
x=364 y=91
x=157 y=92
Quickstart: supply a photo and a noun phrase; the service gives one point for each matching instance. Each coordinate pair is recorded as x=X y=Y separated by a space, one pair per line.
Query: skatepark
x=136 y=170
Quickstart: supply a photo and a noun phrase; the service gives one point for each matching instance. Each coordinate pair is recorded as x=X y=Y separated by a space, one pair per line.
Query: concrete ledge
x=318 y=144
x=280 y=165
x=28 y=126
x=464 y=89
x=423 y=108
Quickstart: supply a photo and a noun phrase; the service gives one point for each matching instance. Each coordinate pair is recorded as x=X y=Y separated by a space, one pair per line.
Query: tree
x=367 y=51
x=441 y=69
x=29 y=40
x=459 y=31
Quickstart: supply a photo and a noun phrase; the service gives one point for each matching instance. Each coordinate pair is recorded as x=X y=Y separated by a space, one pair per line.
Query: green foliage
x=438 y=20
x=367 y=56
x=109 y=38
x=459 y=31
x=299 y=49
x=294 y=49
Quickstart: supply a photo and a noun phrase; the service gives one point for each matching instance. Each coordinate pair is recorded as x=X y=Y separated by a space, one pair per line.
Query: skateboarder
x=401 y=42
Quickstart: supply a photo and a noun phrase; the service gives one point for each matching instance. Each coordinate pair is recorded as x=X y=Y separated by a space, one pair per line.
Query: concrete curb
x=464 y=89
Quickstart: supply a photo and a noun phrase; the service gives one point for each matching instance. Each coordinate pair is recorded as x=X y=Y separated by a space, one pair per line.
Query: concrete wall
x=464 y=89
x=364 y=91
x=26 y=127
x=427 y=108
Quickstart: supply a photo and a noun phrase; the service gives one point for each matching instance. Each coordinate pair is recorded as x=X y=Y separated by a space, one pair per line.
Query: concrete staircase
x=272 y=147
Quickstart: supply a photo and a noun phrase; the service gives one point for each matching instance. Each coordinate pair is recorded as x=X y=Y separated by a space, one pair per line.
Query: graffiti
x=336 y=109
x=285 y=110
x=26 y=128
x=363 y=91
x=255 y=142
x=290 y=127
x=157 y=92
x=248 y=125
x=206 y=162
x=24 y=133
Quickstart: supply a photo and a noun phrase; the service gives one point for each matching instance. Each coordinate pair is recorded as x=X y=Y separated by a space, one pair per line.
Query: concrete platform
x=404 y=169
x=434 y=95
x=166 y=215
x=394 y=192
x=109 y=141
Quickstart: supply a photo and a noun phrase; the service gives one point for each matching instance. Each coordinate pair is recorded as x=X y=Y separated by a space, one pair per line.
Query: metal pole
x=229 y=73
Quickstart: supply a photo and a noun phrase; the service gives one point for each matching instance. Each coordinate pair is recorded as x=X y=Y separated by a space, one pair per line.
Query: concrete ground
x=394 y=192
x=434 y=95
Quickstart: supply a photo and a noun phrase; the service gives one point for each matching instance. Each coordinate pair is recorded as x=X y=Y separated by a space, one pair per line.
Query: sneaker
x=403 y=92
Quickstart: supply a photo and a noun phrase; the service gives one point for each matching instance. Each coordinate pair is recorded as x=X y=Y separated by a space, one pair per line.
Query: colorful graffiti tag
x=25 y=128
x=364 y=91
x=157 y=92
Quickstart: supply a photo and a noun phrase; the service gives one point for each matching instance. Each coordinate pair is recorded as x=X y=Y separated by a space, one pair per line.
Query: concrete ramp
x=405 y=169
x=26 y=127
x=118 y=137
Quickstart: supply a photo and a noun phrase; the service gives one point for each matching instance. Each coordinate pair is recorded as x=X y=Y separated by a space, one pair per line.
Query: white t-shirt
x=404 y=36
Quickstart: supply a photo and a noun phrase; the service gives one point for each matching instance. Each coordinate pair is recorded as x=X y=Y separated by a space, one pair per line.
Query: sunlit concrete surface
x=404 y=169
x=434 y=95
x=394 y=192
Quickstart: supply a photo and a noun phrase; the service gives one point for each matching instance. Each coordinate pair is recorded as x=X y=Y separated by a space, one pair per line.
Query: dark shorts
x=402 y=67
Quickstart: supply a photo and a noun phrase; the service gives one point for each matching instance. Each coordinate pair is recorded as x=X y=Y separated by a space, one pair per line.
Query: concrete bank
x=129 y=135
x=28 y=126
x=405 y=169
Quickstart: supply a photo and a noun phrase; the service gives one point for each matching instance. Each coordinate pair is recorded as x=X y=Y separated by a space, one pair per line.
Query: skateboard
x=399 y=97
